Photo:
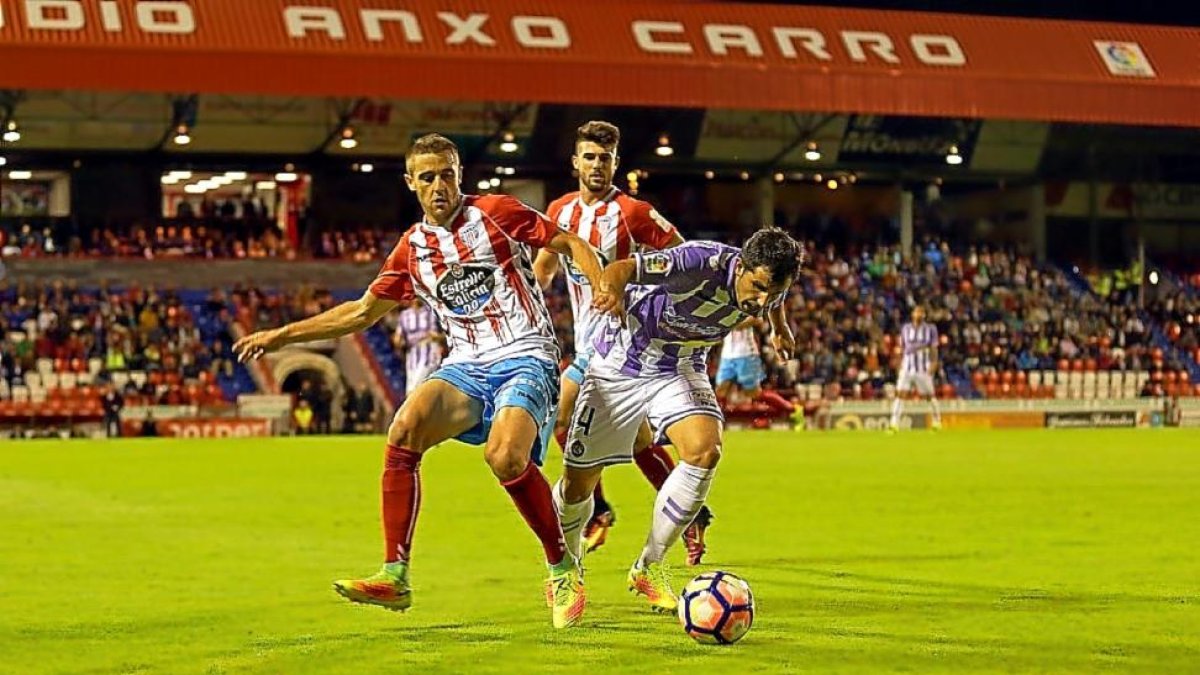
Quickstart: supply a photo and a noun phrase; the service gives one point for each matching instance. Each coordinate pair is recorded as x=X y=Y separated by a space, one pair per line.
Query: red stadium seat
x=1007 y=377
x=1077 y=365
x=1064 y=364
x=1184 y=376
x=1171 y=378
x=1090 y=365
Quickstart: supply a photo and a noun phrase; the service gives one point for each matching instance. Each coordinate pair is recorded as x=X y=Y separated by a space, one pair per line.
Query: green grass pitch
x=1047 y=551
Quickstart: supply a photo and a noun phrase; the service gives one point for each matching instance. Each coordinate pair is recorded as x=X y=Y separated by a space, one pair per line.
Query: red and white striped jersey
x=477 y=276
x=617 y=226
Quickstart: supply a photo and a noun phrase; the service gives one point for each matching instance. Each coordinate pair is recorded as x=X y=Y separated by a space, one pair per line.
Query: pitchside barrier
x=1012 y=414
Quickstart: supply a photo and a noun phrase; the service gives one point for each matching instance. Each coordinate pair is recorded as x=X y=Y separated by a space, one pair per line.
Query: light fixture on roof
x=817 y=178
x=484 y=184
x=509 y=171
x=194 y=189
x=1153 y=276
x=235 y=175
x=811 y=152
x=494 y=182
x=264 y=185
x=853 y=178
x=778 y=177
x=632 y=175
x=710 y=174
x=183 y=135
x=664 y=148
x=832 y=184
x=952 y=156
x=20 y=175
x=286 y=177
x=183 y=175
x=220 y=180
x=745 y=175
x=366 y=167
x=508 y=142
x=348 y=141
x=168 y=179
x=3 y=161
x=12 y=133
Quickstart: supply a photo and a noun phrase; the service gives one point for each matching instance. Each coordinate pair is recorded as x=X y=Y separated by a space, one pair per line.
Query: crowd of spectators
x=238 y=239
x=996 y=311
x=63 y=333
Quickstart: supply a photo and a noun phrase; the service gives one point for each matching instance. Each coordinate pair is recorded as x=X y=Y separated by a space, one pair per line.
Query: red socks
x=531 y=493
x=401 y=501
x=656 y=464
x=561 y=436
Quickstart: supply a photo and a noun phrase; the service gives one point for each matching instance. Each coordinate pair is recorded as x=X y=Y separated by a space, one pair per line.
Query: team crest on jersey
x=471 y=234
x=656 y=263
x=465 y=289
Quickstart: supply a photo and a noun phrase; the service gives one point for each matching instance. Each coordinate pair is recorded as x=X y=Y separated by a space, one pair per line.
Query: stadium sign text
x=653 y=37
x=541 y=32
x=149 y=16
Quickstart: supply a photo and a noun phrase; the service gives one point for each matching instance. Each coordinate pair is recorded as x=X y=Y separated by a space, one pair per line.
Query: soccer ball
x=716 y=608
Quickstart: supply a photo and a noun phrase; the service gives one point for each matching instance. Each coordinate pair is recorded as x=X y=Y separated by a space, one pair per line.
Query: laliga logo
x=1124 y=55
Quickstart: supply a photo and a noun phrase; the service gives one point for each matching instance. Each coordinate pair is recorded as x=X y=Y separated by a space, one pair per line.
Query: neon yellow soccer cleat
x=565 y=595
x=654 y=582
x=385 y=588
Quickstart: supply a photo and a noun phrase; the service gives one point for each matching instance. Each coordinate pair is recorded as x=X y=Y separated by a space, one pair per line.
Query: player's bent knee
x=578 y=484
x=405 y=431
x=505 y=460
x=705 y=457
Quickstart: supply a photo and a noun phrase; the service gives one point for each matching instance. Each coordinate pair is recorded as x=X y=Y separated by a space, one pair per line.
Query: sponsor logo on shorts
x=465 y=289
x=703 y=399
x=577 y=449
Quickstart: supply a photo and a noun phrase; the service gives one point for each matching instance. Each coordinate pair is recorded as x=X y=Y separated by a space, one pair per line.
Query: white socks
x=676 y=507
x=574 y=518
x=898 y=406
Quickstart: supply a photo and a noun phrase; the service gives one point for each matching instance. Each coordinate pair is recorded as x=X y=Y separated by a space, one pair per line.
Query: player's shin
x=532 y=496
x=573 y=517
x=897 y=407
x=401 y=492
x=677 y=504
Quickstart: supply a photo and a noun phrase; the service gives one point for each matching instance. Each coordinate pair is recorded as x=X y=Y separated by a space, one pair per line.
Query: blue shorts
x=746 y=370
x=528 y=383
x=579 y=366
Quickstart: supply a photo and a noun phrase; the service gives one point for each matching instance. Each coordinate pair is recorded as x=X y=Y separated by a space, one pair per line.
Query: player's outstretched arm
x=613 y=280
x=348 y=317
x=545 y=266
x=781 y=333
x=580 y=252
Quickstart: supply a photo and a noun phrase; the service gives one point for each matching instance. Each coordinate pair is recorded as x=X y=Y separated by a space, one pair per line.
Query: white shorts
x=611 y=407
x=415 y=375
x=922 y=382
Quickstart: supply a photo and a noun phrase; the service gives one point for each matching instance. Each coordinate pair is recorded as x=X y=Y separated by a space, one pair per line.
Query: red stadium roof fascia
x=706 y=55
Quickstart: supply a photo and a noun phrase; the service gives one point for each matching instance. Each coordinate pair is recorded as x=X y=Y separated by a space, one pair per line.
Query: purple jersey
x=418 y=326
x=919 y=343
x=680 y=304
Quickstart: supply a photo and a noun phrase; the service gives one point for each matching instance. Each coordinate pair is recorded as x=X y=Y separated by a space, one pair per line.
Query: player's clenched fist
x=785 y=345
x=607 y=301
x=257 y=344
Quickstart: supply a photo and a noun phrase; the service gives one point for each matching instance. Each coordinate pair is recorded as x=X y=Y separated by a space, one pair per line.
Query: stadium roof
x=699 y=55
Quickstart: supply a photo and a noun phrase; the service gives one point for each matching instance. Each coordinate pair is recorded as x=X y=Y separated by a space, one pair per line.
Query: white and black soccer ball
x=716 y=608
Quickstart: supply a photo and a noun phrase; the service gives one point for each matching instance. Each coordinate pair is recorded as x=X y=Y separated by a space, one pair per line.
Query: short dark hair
x=605 y=134
x=775 y=250
x=430 y=144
